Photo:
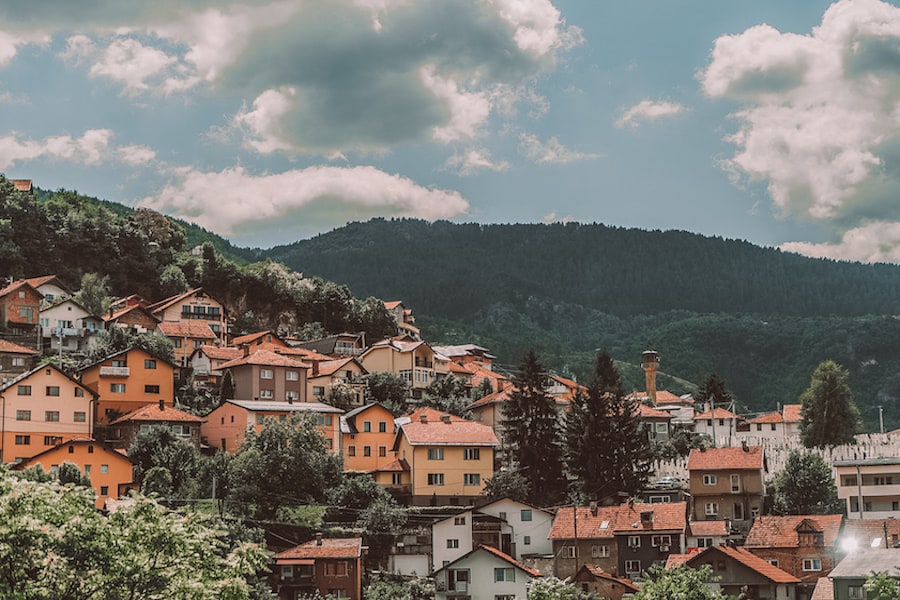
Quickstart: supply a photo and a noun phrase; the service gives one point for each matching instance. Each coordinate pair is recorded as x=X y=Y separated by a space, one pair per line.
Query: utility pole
x=881 y=417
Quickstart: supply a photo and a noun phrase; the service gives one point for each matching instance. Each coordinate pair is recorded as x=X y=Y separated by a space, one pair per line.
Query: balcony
x=114 y=371
x=422 y=362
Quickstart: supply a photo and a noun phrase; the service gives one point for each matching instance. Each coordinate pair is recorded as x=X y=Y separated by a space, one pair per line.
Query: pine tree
x=713 y=392
x=828 y=413
x=532 y=434
x=606 y=451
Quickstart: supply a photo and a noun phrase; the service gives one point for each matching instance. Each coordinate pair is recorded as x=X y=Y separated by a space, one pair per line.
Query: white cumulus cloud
x=136 y=154
x=648 y=110
x=474 y=160
x=132 y=63
x=89 y=149
x=873 y=242
x=11 y=42
x=233 y=201
x=550 y=151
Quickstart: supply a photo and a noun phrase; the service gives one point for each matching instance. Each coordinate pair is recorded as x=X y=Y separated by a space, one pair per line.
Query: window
x=351 y=450
x=712 y=509
x=773 y=427
x=661 y=540
x=382 y=427
x=149 y=363
x=472 y=454
x=397 y=478
x=773 y=562
x=856 y=592
x=884 y=480
x=504 y=597
x=525 y=514
x=23 y=415
x=337 y=593
x=710 y=479
x=51 y=416
x=601 y=551
x=104 y=490
x=52 y=440
x=759 y=426
x=338 y=567
x=705 y=542
x=259 y=419
x=104 y=468
x=367 y=450
x=504 y=574
x=526 y=540
x=459 y=520
x=151 y=389
x=23 y=390
x=569 y=552
x=266 y=374
x=79 y=392
x=52 y=390
x=266 y=394
x=812 y=564
x=471 y=479
x=435 y=479
x=632 y=566
x=318 y=390
x=382 y=450
x=738 y=511
x=120 y=363
x=367 y=428
x=23 y=440
x=659 y=499
x=634 y=541
x=87 y=469
x=735 y=484
x=292 y=395
x=323 y=419
x=117 y=388
x=18 y=361
x=177 y=342
x=291 y=376
x=287 y=571
x=435 y=454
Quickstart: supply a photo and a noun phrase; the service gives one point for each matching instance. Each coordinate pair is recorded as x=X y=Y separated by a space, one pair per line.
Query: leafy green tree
x=606 y=451
x=482 y=389
x=828 y=413
x=682 y=582
x=118 y=339
x=385 y=586
x=806 y=487
x=532 y=434
x=172 y=280
x=70 y=473
x=57 y=546
x=157 y=482
x=284 y=464
x=356 y=490
x=159 y=447
x=389 y=389
x=881 y=586
x=552 y=588
x=507 y=483
x=93 y=294
x=448 y=394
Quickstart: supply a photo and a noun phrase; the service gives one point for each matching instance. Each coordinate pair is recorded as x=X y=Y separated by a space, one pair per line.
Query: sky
x=270 y=121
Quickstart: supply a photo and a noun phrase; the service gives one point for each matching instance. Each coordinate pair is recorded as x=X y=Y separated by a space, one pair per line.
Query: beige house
x=728 y=483
x=193 y=305
x=415 y=361
x=347 y=373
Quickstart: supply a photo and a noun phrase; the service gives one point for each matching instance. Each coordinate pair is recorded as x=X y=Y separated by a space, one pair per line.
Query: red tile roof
x=265 y=358
x=330 y=367
x=22 y=185
x=648 y=412
x=250 y=337
x=666 y=516
x=392 y=304
x=151 y=412
x=772 y=417
x=720 y=459
x=395 y=466
x=10 y=348
x=16 y=285
x=663 y=397
x=864 y=531
x=717 y=413
x=501 y=396
x=187 y=329
x=511 y=560
x=301 y=353
x=791 y=413
x=676 y=560
x=122 y=311
x=37 y=282
x=435 y=432
x=601 y=574
x=219 y=353
x=623 y=519
x=751 y=561
x=781 y=532
x=591 y=523
x=329 y=548
x=824 y=589
x=708 y=528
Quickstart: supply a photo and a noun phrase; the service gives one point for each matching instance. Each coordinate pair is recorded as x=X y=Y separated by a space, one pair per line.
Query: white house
x=483 y=574
x=869 y=487
x=70 y=323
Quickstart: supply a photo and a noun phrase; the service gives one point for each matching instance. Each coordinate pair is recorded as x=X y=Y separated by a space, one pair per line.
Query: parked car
x=668 y=483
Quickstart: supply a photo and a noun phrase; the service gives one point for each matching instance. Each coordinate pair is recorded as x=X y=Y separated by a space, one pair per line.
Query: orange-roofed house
x=15 y=359
x=412 y=360
x=728 y=483
x=206 y=363
x=194 y=305
x=344 y=377
x=497 y=381
x=780 y=426
x=740 y=571
x=703 y=534
x=465 y=354
x=187 y=336
x=23 y=185
x=367 y=435
x=42 y=408
x=718 y=423
x=657 y=424
x=406 y=322
x=226 y=427
x=186 y=426
x=802 y=545
x=20 y=308
x=396 y=478
x=593 y=579
x=267 y=376
x=257 y=341
x=51 y=288
x=110 y=471
x=585 y=535
x=133 y=316
x=449 y=458
x=128 y=380
x=484 y=573
x=324 y=566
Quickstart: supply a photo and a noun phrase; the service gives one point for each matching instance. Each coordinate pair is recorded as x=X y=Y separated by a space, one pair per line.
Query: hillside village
x=710 y=508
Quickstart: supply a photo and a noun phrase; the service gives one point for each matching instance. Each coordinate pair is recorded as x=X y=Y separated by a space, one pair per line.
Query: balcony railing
x=114 y=371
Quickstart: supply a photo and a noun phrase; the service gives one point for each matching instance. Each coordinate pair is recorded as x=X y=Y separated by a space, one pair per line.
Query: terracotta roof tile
x=330 y=367
x=151 y=412
x=22 y=185
x=187 y=329
x=501 y=396
x=606 y=521
x=772 y=417
x=123 y=311
x=648 y=412
x=717 y=413
x=718 y=459
x=598 y=572
x=395 y=466
x=435 y=432
x=666 y=516
x=751 y=561
x=676 y=560
x=16 y=285
x=265 y=358
x=329 y=548
x=708 y=528
x=824 y=589
x=220 y=353
x=511 y=560
x=391 y=305
x=791 y=413
x=781 y=532
x=10 y=348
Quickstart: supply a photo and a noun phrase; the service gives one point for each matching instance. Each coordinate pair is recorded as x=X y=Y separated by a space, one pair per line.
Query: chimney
x=650 y=363
x=318 y=539
x=423 y=418
x=246 y=349
x=593 y=509
x=445 y=419
x=646 y=517
x=744 y=446
x=315 y=368
x=162 y=404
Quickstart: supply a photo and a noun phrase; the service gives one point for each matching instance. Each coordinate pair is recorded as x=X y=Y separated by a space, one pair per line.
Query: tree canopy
x=806 y=487
x=682 y=582
x=828 y=413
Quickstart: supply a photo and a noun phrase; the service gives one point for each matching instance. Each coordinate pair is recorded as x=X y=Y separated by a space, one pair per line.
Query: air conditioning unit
x=664 y=548
x=439 y=585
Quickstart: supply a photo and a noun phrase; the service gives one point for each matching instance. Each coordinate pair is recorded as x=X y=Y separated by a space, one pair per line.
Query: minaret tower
x=650 y=363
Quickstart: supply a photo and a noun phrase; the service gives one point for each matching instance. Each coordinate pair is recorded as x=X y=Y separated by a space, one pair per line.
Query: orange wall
x=226 y=427
x=453 y=466
x=97 y=459
x=356 y=443
x=138 y=378
x=35 y=428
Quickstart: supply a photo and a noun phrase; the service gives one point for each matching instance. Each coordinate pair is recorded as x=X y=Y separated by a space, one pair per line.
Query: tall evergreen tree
x=532 y=434
x=828 y=413
x=606 y=451
x=713 y=393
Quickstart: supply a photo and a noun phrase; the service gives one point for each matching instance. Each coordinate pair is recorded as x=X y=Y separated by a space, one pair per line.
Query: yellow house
x=413 y=360
x=347 y=373
x=42 y=408
x=449 y=457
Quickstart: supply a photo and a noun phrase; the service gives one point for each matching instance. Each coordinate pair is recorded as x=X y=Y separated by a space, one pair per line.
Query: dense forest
x=759 y=318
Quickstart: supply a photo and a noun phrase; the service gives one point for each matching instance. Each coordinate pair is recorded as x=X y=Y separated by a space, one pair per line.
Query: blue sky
x=269 y=121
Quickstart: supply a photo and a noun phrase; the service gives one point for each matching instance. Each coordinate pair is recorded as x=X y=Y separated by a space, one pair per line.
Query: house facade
x=367 y=438
x=20 y=307
x=70 y=325
x=329 y=566
x=206 y=363
x=15 y=360
x=41 y=409
x=187 y=337
x=133 y=316
x=739 y=571
x=597 y=581
x=483 y=574
x=849 y=576
x=194 y=306
x=122 y=431
x=728 y=483
x=345 y=376
x=412 y=360
x=267 y=376
x=869 y=488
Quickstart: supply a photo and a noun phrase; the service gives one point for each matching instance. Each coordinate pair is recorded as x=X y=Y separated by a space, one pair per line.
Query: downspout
x=859 y=491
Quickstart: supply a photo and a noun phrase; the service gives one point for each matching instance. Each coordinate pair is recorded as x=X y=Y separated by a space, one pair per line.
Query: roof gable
x=747 y=559
x=724 y=459
x=493 y=553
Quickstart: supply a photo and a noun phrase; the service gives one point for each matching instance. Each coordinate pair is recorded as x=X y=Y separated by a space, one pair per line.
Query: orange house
x=187 y=336
x=20 y=307
x=367 y=435
x=42 y=408
x=226 y=427
x=111 y=472
x=133 y=316
x=127 y=381
x=260 y=339
x=345 y=372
